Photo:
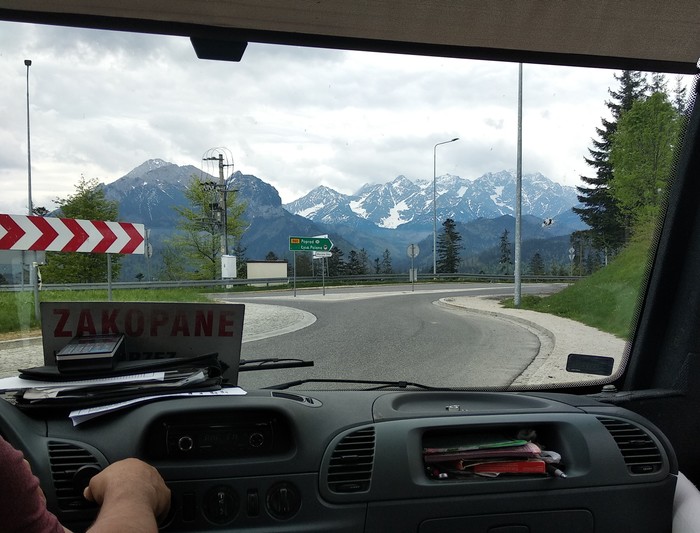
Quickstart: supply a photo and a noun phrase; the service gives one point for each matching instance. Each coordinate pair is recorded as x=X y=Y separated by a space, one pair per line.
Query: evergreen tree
x=304 y=264
x=582 y=243
x=363 y=260
x=386 y=263
x=271 y=256
x=599 y=209
x=448 y=248
x=241 y=260
x=353 y=267
x=504 y=247
x=659 y=83
x=88 y=203
x=336 y=263
x=537 y=265
x=680 y=99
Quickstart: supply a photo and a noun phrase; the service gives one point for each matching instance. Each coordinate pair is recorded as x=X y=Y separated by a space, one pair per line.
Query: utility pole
x=222 y=207
x=223 y=210
x=222 y=200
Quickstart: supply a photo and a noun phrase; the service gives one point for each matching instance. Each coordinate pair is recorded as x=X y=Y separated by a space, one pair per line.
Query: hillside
x=608 y=299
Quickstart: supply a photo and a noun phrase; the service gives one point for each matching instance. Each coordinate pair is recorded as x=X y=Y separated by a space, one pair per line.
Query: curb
x=18 y=343
x=546 y=337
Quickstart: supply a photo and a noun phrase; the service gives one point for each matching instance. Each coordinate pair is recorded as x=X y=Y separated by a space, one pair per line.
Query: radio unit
x=214 y=434
x=219 y=440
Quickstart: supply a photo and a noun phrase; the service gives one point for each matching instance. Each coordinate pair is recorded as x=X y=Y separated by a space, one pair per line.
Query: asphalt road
x=394 y=334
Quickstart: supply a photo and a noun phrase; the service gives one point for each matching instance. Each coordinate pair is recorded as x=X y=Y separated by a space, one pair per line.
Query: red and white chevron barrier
x=21 y=232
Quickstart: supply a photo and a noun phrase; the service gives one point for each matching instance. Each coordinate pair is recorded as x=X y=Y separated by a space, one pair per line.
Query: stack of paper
x=89 y=398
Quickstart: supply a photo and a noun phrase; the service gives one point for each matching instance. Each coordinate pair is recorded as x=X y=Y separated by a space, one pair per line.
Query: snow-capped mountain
x=148 y=193
x=402 y=202
x=380 y=217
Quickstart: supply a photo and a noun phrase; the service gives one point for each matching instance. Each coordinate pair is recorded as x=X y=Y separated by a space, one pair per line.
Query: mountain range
x=377 y=217
x=403 y=203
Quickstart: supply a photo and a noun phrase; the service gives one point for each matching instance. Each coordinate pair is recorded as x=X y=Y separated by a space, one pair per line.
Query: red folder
x=534 y=466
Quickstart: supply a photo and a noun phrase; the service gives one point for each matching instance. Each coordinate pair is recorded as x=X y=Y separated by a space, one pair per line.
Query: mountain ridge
x=378 y=217
x=403 y=202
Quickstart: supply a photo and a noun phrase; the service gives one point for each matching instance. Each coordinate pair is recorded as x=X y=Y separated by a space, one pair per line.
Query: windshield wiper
x=270 y=363
x=380 y=384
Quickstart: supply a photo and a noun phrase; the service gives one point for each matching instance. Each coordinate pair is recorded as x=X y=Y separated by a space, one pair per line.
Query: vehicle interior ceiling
x=662 y=381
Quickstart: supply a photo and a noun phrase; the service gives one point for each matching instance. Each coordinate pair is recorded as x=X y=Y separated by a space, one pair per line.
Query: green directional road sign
x=310 y=244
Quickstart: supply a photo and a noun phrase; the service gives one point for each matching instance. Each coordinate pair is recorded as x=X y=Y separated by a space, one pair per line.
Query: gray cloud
x=103 y=102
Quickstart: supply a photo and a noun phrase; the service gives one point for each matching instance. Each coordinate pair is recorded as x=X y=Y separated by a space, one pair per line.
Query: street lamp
x=435 y=202
x=30 y=206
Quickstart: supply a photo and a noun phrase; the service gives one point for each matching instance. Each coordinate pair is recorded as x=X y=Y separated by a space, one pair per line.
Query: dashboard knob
x=83 y=475
x=283 y=500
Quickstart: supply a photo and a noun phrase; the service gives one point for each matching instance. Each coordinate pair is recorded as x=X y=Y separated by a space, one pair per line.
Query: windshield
x=447 y=222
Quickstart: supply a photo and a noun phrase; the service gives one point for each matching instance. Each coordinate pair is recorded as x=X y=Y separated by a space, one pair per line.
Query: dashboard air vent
x=640 y=452
x=350 y=468
x=66 y=459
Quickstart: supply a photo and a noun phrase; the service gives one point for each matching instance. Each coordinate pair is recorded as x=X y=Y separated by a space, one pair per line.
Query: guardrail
x=226 y=283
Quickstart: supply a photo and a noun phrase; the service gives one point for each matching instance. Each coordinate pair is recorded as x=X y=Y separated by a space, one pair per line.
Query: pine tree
x=448 y=248
x=363 y=260
x=353 y=266
x=680 y=99
x=386 y=263
x=504 y=247
x=336 y=264
x=241 y=260
x=536 y=265
x=304 y=265
x=599 y=210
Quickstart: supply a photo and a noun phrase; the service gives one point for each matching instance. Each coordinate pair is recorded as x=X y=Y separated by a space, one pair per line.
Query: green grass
x=608 y=299
x=17 y=308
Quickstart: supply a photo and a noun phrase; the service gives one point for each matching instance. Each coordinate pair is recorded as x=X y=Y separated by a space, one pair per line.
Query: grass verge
x=17 y=308
x=606 y=300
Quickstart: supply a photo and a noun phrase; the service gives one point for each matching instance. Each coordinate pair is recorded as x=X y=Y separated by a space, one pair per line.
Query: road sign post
x=323 y=257
x=412 y=251
x=320 y=243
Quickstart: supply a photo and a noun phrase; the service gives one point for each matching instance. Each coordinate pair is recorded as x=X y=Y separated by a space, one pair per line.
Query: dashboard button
x=221 y=504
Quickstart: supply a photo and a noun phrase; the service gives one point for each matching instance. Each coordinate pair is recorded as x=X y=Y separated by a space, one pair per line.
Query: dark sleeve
x=22 y=506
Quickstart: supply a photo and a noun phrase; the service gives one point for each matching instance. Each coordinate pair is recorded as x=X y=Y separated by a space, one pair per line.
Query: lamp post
x=517 y=276
x=30 y=206
x=31 y=257
x=435 y=202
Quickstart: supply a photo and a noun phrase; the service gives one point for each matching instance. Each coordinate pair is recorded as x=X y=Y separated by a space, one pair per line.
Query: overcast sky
x=102 y=103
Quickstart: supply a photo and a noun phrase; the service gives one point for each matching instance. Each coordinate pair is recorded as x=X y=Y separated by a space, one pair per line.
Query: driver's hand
x=130 y=483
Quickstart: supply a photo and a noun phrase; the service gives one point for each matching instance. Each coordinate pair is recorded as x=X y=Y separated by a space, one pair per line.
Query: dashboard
x=356 y=461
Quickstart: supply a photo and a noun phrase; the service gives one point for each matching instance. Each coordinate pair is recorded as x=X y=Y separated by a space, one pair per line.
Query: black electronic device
x=90 y=353
x=208 y=441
